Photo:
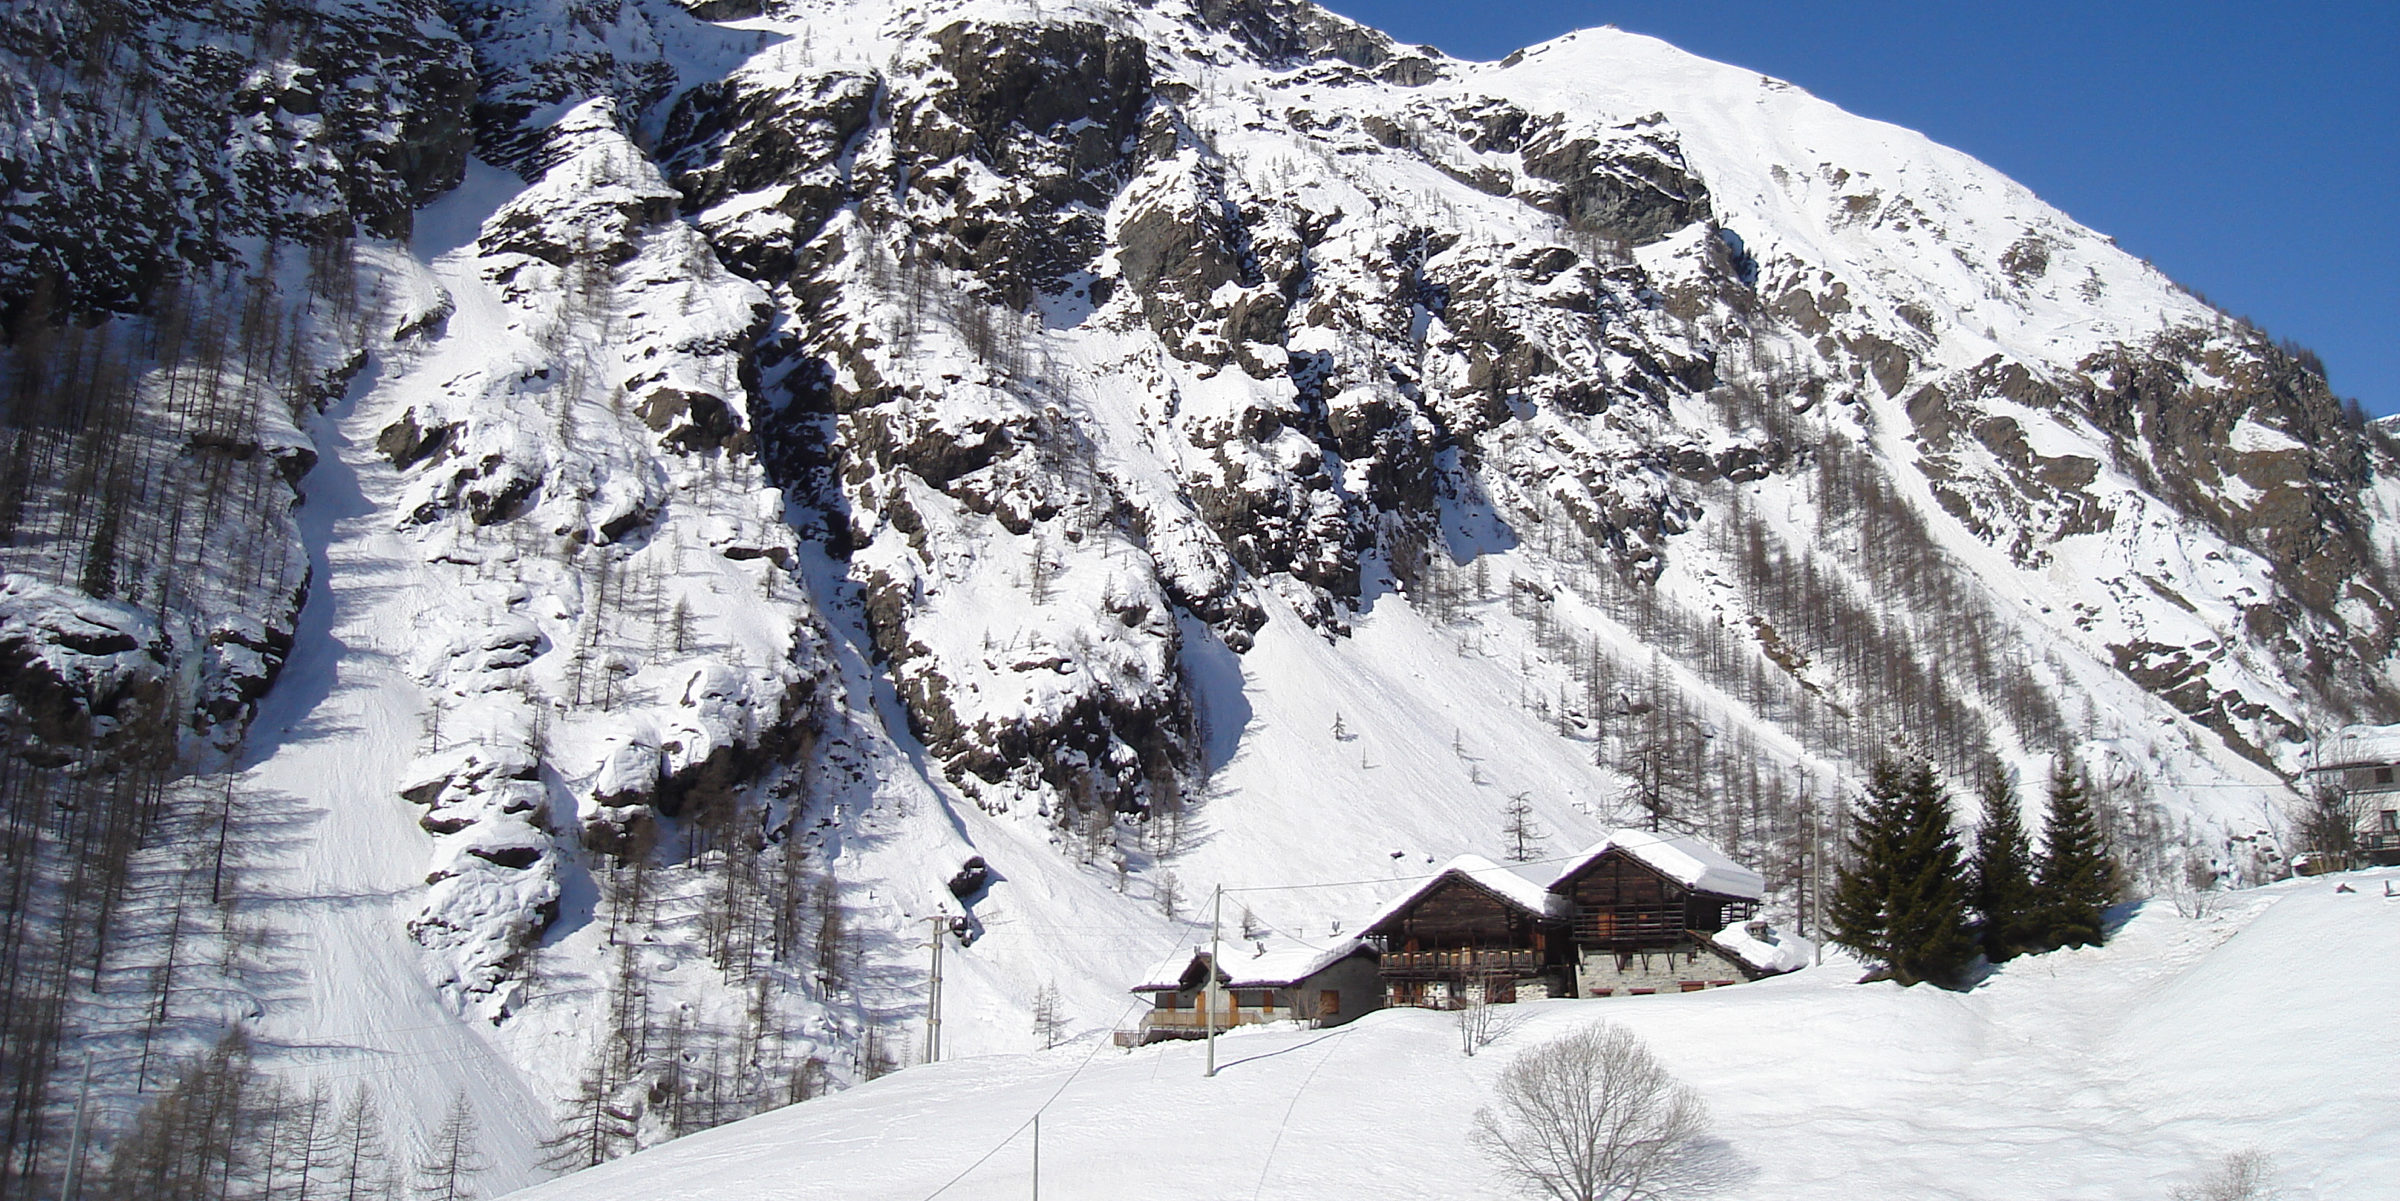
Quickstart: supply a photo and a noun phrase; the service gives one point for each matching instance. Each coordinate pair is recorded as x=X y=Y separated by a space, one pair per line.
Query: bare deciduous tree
x=2328 y=829
x=2242 y=1176
x=1049 y=1016
x=1591 y=1116
x=451 y=1159
x=1523 y=836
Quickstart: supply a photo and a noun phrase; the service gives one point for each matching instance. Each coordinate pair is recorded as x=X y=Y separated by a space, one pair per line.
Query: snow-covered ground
x=2108 y=1072
x=1347 y=753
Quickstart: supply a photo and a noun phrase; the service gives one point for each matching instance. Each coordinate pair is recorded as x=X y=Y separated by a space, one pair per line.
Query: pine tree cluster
x=1913 y=903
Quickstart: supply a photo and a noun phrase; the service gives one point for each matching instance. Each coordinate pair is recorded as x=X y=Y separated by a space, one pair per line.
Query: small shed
x=1258 y=983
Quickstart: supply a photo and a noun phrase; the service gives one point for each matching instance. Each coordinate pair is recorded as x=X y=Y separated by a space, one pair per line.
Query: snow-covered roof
x=1689 y=861
x=1514 y=885
x=1251 y=965
x=1780 y=951
x=2357 y=746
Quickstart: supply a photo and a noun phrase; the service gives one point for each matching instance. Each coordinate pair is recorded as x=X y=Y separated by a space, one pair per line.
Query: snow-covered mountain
x=580 y=516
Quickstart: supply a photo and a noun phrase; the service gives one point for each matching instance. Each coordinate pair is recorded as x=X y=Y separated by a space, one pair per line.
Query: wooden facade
x=1457 y=935
x=1623 y=904
x=1457 y=915
x=1614 y=922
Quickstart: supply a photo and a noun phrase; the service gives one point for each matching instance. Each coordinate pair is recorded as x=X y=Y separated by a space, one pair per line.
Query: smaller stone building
x=1258 y=984
x=2363 y=762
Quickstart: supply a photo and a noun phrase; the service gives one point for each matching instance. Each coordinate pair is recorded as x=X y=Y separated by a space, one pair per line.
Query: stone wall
x=1604 y=973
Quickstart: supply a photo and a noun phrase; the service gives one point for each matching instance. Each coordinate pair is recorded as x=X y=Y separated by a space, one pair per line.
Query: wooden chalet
x=1258 y=985
x=1647 y=912
x=1475 y=928
x=1636 y=913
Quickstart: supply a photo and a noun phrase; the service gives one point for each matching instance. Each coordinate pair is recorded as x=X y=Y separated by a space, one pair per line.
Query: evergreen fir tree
x=1903 y=902
x=2005 y=896
x=2078 y=877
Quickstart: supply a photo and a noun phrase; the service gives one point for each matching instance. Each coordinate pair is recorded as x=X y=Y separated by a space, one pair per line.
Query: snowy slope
x=2106 y=1072
x=339 y=726
x=1165 y=447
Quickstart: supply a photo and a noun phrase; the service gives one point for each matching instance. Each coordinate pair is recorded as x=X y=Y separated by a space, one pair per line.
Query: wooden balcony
x=1160 y=1024
x=1460 y=963
x=1194 y=1019
x=1630 y=929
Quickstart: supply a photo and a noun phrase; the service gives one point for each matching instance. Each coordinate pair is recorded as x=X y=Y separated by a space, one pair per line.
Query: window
x=1168 y=1000
x=2391 y=821
x=2383 y=775
x=1254 y=999
x=1329 y=1000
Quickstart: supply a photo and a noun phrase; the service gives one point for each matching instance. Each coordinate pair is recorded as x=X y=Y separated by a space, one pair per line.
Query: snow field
x=2110 y=1072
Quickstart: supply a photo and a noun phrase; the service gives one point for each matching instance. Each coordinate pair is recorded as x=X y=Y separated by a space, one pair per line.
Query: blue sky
x=2252 y=151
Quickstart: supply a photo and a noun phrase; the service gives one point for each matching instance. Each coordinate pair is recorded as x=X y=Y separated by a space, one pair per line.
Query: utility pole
x=74 y=1181
x=1812 y=912
x=933 y=998
x=1208 y=993
x=1037 y=1156
x=216 y=882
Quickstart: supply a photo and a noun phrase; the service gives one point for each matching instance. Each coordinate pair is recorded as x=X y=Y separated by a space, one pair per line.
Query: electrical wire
x=1397 y=879
x=1011 y=1137
x=1263 y=1168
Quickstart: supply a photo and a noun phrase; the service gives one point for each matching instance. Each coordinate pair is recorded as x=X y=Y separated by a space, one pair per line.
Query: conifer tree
x=2005 y=897
x=1903 y=901
x=2078 y=877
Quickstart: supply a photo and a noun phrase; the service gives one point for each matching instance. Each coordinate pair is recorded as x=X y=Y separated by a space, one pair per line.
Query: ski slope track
x=2109 y=1072
x=339 y=727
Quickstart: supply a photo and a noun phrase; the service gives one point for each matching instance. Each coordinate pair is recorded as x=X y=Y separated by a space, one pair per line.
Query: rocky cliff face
x=781 y=399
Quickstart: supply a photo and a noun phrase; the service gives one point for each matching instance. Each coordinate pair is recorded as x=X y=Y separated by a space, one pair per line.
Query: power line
x=1576 y=857
x=1011 y=1136
x=1286 y=1123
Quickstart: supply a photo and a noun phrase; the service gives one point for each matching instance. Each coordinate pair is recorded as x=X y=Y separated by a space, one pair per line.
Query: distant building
x=1636 y=913
x=2364 y=763
x=1258 y=984
x=1651 y=914
x=1475 y=928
